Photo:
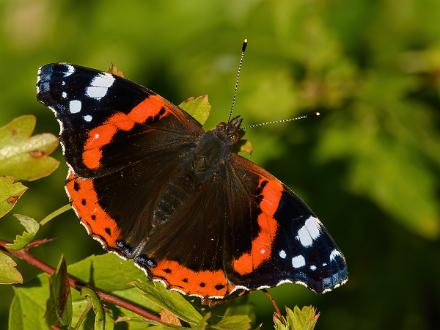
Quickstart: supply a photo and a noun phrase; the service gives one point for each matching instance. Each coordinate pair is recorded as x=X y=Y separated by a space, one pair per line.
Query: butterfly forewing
x=102 y=114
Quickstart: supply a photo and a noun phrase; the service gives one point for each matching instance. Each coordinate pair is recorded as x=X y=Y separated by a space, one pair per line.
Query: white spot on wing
x=313 y=267
x=63 y=95
x=263 y=251
x=96 y=92
x=334 y=254
x=282 y=254
x=74 y=106
x=309 y=232
x=70 y=70
x=104 y=79
x=314 y=227
x=96 y=136
x=304 y=237
x=99 y=85
x=88 y=118
x=298 y=261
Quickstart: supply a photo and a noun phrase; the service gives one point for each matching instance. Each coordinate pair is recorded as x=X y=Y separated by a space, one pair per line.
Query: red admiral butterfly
x=151 y=185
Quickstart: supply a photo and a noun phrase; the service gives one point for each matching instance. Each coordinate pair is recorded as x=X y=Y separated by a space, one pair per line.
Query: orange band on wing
x=204 y=283
x=261 y=249
x=92 y=157
x=85 y=203
x=102 y=135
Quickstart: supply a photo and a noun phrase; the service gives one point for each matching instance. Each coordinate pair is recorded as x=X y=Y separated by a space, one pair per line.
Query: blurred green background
x=369 y=166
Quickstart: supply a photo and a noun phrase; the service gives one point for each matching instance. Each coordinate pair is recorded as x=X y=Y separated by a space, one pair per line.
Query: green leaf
x=107 y=272
x=29 y=305
x=100 y=319
x=114 y=275
x=59 y=304
x=239 y=307
x=80 y=312
x=244 y=146
x=170 y=300
x=9 y=274
x=10 y=192
x=23 y=156
x=236 y=322
x=198 y=107
x=302 y=319
x=31 y=228
x=298 y=319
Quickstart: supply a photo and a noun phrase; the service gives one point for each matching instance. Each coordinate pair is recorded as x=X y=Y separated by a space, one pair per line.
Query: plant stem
x=37 y=243
x=274 y=303
x=55 y=213
x=78 y=284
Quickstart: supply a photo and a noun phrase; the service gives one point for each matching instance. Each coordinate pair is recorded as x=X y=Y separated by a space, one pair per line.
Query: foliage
x=9 y=274
x=23 y=156
x=369 y=166
x=59 y=304
x=298 y=319
x=198 y=107
x=31 y=228
x=10 y=192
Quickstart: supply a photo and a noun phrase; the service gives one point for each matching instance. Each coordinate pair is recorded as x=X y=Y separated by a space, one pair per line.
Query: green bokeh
x=369 y=166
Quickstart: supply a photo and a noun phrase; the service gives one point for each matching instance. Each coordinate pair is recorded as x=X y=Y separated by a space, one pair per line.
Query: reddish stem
x=78 y=284
x=37 y=243
x=274 y=303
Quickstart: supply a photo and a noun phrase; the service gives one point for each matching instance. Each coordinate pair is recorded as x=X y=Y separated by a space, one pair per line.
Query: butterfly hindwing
x=189 y=247
x=286 y=243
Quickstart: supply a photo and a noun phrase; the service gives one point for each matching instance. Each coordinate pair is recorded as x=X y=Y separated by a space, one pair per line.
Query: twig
x=274 y=303
x=55 y=213
x=37 y=243
x=78 y=284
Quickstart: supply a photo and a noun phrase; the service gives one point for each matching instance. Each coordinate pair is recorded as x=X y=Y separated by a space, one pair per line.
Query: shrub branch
x=76 y=283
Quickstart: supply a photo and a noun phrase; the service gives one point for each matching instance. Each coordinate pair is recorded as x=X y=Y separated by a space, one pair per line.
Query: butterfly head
x=231 y=132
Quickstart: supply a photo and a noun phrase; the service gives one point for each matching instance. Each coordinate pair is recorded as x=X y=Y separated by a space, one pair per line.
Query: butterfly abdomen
x=202 y=164
x=172 y=197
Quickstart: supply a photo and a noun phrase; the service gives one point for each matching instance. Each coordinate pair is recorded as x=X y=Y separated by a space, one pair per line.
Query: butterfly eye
x=233 y=138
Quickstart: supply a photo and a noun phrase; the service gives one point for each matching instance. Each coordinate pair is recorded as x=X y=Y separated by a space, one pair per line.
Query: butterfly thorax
x=204 y=163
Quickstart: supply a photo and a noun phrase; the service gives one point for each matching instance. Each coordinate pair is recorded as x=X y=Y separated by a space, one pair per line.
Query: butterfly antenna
x=282 y=121
x=237 y=78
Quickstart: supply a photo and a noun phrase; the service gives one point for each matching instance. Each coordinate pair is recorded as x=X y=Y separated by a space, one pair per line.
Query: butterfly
x=150 y=184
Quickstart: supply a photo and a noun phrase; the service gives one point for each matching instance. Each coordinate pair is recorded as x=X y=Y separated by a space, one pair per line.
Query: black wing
x=108 y=122
x=273 y=237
